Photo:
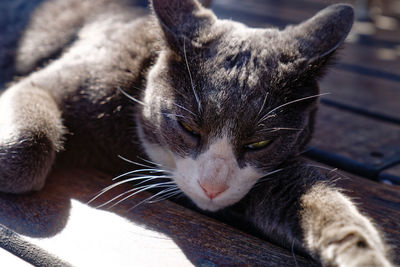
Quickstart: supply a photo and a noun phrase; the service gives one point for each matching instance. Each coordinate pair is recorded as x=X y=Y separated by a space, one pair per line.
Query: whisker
x=147 y=200
x=121 y=195
x=190 y=76
x=275 y=129
x=131 y=97
x=115 y=198
x=144 y=104
x=179 y=106
x=142 y=189
x=290 y=102
x=173 y=115
x=108 y=188
x=134 y=162
x=334 y=170
x=149 y=161
x=138 y=171
x=263 y=178
x=174 y=192
x=137 y=88
x=263 y=104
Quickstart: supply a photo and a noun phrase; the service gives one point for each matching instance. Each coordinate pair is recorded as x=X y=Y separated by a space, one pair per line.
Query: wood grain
x=201 y=240
x=368 y=93
x=393 y=172
x=365 y=140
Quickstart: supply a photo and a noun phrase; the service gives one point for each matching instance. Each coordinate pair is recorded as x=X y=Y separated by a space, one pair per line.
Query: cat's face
x=225 y=104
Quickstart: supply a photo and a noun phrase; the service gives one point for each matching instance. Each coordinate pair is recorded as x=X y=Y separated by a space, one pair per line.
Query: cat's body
x=216 y=104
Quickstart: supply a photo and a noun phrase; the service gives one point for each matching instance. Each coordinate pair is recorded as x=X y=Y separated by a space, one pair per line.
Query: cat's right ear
x=183 y=20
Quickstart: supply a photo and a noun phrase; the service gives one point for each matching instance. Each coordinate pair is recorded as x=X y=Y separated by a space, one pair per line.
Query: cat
x=222 y=109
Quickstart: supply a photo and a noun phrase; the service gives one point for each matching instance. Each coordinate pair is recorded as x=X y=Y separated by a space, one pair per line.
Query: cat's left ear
x=318 y=37
x=183 y=19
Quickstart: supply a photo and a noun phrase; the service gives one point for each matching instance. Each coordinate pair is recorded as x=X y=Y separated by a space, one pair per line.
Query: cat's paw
x=25 y=163
x=338 y=233
x=352 y=247
x=30 y=134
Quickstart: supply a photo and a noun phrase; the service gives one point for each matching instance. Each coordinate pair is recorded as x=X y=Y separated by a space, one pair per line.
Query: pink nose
x=213 y=191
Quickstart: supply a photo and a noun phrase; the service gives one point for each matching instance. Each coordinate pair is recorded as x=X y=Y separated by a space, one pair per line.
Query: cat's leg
x=337 y=232
x=298 y=209
x=30 y=134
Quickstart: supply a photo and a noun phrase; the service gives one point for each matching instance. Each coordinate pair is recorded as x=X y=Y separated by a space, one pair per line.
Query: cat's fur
x=232 y=85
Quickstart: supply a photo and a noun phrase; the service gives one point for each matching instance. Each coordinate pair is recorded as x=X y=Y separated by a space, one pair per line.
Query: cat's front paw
x=25 y=163
x=30 y=134
x=352 y=247
x=338 y=233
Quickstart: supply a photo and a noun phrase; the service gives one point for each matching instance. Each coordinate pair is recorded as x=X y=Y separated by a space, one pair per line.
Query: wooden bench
x=357 y=138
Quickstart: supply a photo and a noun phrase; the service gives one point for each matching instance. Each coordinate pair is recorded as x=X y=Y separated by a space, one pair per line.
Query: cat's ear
x=319 y=36
x=183 y=19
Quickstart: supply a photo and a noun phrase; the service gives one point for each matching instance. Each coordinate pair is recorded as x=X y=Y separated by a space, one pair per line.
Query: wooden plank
x=362 y=139
x=383 y=59
x=51 y=213
x=363 y=92
x=50 y=220
x=391 y=174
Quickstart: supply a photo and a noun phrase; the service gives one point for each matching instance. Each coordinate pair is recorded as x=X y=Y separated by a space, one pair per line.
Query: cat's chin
x=226 y=199
x=213 y=205
x=210 y=206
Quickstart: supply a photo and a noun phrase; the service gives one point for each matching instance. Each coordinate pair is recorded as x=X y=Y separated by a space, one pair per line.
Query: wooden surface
x=358 y=130
x=74 y=232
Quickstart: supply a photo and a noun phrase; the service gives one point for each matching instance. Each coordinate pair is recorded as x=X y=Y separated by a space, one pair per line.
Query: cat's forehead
x=243 y=57
x=238 y=70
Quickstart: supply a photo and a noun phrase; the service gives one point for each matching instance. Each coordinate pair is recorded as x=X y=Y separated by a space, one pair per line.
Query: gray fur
x=181 y=64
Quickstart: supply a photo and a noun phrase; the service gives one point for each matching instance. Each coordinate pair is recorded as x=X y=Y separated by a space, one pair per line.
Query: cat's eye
x=258 y=145
x=188 y=128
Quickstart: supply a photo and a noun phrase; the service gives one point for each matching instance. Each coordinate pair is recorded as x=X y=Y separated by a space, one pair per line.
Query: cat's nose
x=213 y=190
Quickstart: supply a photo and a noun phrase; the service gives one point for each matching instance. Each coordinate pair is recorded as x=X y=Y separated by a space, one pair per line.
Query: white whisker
x=121 y=195
x=142 y=189
x=151 y=170
x=166 y=196
x=134 y=162
x=147 y=200
x=262 y=179
x=131 y=97
x=334 y=170
x=170 y=192
x=290 y=102
x=179 y=106
x=190 y=76
x=275 y=129
x=108 y=188
x=149 y=161
x=263 y=104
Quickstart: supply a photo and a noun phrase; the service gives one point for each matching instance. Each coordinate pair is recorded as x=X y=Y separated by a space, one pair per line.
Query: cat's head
x=226 y=104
